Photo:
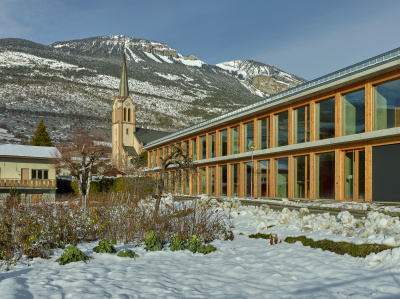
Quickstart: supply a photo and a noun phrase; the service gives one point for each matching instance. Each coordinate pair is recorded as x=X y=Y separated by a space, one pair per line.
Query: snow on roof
x=28 y=151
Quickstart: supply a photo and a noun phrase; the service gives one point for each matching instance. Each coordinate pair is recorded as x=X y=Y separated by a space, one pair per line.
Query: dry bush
x=37 y=229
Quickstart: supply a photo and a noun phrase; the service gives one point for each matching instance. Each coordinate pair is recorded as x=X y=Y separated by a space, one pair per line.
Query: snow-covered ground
x=242 y=268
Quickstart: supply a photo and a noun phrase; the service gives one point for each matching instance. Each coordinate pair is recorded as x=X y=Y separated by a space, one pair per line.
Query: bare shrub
x=37 y=229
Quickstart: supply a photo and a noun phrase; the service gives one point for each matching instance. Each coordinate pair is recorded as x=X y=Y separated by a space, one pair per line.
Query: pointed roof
x=123 y=85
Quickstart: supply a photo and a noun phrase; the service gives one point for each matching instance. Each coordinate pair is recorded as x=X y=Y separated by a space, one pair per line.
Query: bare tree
x=176 y=158
x=82 y=160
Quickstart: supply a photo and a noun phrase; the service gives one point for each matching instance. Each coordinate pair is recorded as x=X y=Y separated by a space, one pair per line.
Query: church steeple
x=123 y=85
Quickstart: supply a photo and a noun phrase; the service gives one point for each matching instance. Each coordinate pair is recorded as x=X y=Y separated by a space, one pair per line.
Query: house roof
x=28 y=151
x=130 y=150
x=146 y=135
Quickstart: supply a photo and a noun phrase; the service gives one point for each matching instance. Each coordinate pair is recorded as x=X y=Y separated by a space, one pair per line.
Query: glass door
x=354 y=174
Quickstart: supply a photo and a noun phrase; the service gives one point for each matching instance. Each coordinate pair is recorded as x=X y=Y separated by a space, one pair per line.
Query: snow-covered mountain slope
x=263 y=77
x=72 y=84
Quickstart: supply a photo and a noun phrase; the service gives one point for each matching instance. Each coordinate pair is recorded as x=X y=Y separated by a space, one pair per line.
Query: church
x=127 y=138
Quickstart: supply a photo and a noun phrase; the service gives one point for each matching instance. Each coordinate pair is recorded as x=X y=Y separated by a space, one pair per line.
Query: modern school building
x=335 y=137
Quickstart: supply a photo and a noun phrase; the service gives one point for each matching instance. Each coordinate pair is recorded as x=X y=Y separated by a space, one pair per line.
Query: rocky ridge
x=72 y=84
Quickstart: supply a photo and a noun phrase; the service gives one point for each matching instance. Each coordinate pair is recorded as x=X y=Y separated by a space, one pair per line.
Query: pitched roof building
x=29 y=169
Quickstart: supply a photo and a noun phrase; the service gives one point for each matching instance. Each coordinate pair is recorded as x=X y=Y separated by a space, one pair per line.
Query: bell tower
x=123 y=121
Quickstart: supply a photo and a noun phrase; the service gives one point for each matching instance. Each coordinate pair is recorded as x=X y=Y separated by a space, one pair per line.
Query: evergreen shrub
x=127 y=253
x=105 y=246
x=153 y=242
x=72 y=254
x=205 y=249
x=194 y=246
x=193 y=243
x=176 y=244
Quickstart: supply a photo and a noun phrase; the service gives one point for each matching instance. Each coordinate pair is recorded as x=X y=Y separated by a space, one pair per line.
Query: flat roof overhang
x=364 y=70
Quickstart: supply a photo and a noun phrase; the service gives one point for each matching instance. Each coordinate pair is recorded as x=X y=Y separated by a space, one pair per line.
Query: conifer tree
x=41 y=136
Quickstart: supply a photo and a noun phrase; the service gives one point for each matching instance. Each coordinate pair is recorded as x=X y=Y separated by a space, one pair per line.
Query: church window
x=127 y=131
x=129 y=114
x=124 y=114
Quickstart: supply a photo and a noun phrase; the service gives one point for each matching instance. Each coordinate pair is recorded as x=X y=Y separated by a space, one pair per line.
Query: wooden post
x=312 y=174
x=338 y=174
x=368 y=108
x=368 y=173
x=338 y=115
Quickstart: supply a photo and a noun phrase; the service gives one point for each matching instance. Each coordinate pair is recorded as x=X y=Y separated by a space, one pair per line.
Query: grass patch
x=342 y=248
x=259 y=236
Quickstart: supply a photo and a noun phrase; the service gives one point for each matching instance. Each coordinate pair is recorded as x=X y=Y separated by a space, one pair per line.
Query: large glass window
x=249 y=179
x=282 y=128
x=302 y=177
x=212 y=144
x=212 y=180
x=166 y=182
x=151 y=159
x=387 y=105
x=185 y=147
x=301 y=124
x=354 y=174
x=186 y=183
x=263 y=133
x=224 y=180
x=203 y=144
x=235 y=140
x=194 y=179
x=235 y=179
x=325 y=119
x=326 y=175
x=223 y=142
x=263 y=182
x=172 y=183
x=203 y=182
x=194 y=149
x=354 y=112
x=248 y=136
x=282 y=177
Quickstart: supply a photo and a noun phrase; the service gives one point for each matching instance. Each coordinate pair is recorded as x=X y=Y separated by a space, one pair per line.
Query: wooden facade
x=316 y=144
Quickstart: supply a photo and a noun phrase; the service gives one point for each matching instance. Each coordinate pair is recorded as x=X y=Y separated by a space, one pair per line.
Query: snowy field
x=242 y=268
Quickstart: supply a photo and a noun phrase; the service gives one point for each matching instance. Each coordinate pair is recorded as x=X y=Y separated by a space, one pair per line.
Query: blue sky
x=307 y=38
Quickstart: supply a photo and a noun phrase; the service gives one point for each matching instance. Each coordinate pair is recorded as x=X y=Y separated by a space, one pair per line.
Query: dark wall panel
x=386 y=173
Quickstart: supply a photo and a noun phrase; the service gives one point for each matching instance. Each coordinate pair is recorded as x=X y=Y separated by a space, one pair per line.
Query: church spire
x=123 y=85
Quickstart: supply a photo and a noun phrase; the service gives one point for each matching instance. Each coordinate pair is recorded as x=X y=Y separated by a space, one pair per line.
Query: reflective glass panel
x=387 y=105
x=325 y=119
x=282 y=177
x=354 y=112
x=282 y=128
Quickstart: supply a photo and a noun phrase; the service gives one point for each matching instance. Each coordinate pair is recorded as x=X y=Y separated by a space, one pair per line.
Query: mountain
x=72 y=84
